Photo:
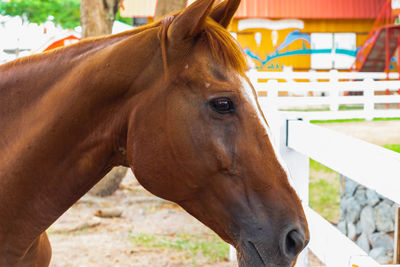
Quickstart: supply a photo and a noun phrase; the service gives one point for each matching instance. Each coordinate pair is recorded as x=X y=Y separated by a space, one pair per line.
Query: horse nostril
x=293 y=244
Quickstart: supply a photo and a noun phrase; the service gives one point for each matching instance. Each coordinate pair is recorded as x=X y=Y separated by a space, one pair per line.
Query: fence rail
x=370 y=165
x=329 y=75
x=330 y=90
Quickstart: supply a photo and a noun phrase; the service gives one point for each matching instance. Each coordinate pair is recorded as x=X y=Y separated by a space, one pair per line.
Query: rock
x=352 y=210
x=361 y=197
x=372 y=197
x=351 y=231
x=343 y=204
x=341 y=188
x=381 y=240
x=383 y=217
x=395 y=206
x=377 y=252
x=349 y=187
x=358 y=227
x=109 y=213
x=363 y=242
x=380 y=255
x=367 y=222
x=385 y=259
x=388 y=201
x=342 y=227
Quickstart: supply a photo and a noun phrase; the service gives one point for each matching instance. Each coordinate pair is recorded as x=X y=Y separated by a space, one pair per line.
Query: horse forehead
x=249 y=94
x=252 y=98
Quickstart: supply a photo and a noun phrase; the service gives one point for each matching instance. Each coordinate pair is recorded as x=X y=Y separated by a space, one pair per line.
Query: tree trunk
x=165 y=7
x=109 y=183
x=97 y=16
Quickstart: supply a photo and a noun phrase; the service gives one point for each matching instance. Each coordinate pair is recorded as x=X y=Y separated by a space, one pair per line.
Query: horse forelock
x=223 y=47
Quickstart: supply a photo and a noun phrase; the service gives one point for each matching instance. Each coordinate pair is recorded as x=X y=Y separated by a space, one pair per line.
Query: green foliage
x=66 y=13
x=123 y=19
x=212 y=247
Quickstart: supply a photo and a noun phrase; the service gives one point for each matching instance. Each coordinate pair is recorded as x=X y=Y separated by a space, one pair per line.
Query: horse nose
x=293 y=241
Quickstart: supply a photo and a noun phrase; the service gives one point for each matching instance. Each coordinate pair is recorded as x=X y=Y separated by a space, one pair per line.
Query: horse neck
x=56 y=146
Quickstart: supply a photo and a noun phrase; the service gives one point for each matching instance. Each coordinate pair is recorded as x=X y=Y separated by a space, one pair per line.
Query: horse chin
x=250 y=257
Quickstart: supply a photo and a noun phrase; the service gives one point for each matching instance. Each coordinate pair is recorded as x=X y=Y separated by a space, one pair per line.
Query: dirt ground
x=153 y=232
x=79 y=238
x=376 y=132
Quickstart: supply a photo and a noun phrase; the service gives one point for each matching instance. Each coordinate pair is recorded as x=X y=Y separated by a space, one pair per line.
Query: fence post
x=334 y=91
x=253 y=77
x=369 y=104
x=232 y=254
x=396 y=250
x=299 y=170
x=271 y=110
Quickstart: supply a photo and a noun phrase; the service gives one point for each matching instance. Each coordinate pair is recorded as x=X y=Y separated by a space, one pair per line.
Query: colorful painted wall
x=274 y=44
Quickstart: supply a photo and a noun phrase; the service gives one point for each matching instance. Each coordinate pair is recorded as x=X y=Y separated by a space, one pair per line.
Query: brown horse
x=171 y=101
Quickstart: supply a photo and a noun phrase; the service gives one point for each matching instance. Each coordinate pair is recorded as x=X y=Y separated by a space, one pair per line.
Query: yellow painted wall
x=247 y=40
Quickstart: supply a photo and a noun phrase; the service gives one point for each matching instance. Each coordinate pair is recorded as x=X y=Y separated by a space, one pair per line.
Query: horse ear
x=189 y=22
x=223 y=12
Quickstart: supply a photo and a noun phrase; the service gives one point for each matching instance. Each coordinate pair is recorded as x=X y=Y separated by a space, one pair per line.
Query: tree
x=62 y=12
x=165 y=7
x=97 y=16
x=65 y=13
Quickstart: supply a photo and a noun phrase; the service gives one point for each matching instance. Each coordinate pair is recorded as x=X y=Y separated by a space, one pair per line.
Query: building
x=303 y=35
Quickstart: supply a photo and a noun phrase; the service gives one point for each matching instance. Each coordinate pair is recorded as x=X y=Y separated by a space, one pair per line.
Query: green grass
x=352 y=120
x=324 y=191
x=395 y=147
x=211 y=247
x=325 y=188
x=341 y=107
x=333 y=121
x=316 y=166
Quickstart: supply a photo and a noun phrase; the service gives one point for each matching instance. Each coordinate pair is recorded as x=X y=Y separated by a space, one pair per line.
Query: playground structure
x=376 y=54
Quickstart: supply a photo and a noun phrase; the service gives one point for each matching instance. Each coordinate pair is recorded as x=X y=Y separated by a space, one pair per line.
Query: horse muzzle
x=282 y=251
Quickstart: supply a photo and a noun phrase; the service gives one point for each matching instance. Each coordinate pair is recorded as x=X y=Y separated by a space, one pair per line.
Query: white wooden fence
x=372 y=166
x=298 y=140
x=316 y=90
x=367 y=164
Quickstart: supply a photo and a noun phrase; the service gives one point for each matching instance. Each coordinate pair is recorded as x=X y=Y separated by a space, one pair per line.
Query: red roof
x=310 y=9
x=299 y=9
x=62 y=42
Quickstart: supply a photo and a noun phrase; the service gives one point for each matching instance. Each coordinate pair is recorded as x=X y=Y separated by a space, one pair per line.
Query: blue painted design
x=303 y=51
x=292 y=37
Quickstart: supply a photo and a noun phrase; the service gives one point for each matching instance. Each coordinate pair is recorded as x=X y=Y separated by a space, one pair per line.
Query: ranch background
x=132 y=227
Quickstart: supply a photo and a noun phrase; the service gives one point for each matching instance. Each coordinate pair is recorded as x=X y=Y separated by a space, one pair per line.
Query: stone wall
x=368 y=219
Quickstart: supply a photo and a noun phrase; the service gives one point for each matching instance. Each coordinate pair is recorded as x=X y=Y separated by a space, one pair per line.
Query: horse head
x=199 y=138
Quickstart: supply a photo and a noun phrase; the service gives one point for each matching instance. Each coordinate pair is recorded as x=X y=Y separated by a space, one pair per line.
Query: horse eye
x=222 y=105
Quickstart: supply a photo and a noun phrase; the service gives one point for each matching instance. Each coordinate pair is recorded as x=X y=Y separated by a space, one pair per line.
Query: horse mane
x=224 y=48
x=83 y=46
